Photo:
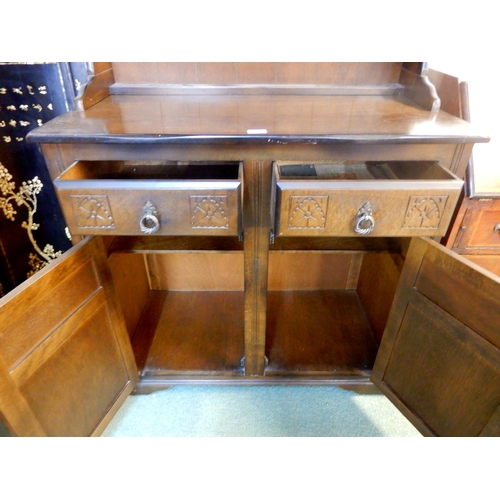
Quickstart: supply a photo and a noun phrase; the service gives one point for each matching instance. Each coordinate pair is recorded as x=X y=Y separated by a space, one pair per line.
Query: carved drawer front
x=365 y=199
x=161 y=198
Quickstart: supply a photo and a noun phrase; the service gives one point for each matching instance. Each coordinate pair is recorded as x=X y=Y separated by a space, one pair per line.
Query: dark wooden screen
x=32 y=228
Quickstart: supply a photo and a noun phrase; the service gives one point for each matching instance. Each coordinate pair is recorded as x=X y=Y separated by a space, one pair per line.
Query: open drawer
x=367 y=199
x=164 y=198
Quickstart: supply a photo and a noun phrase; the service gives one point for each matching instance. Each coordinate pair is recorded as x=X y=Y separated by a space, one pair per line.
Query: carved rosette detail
x=307 y=212
x=209 y=212
x=424 y=212
x=93 y=211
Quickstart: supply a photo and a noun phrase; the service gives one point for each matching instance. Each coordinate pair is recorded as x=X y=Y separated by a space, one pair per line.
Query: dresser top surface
x=255 y=118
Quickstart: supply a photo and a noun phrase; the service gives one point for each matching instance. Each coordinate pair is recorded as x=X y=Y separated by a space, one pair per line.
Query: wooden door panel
x=75 y=372
x=439 y=360
x=35 y=313
x=482 y=314
x=438 y=369
x=67 y=358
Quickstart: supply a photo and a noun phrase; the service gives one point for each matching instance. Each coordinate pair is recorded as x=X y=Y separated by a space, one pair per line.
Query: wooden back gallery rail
x=256 y=220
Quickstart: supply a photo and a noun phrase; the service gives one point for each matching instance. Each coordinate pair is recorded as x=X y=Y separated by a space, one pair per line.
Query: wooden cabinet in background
x=478 y=232
x=475 y=232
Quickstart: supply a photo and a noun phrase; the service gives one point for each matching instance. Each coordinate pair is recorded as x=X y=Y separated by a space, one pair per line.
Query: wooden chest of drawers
x=285 y=290
x=477 y=229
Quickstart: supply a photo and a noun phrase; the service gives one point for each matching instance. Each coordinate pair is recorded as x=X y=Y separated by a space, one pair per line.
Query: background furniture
x=32 y=233
x=476 y=230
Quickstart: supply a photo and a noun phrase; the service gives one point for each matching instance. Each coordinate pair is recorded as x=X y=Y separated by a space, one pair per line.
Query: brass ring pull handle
x=149 y=222
x=497 y=228
x=365 y=223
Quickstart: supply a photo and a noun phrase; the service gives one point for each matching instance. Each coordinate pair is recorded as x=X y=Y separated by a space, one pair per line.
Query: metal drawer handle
x=365 y=223
x=149 y=222
x=497 y=228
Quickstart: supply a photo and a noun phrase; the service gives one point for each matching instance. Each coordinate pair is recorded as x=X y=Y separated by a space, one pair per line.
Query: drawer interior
x=345 y=171
x=133 y=170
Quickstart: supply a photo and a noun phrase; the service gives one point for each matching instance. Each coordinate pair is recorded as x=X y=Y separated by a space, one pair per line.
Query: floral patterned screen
x=32 y=228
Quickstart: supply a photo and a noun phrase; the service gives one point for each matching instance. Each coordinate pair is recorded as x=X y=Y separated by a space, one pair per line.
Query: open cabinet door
x=66 y=363
x=439 y=360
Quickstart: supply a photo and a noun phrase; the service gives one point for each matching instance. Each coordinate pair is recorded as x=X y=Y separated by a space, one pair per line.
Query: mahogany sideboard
x=253 y=223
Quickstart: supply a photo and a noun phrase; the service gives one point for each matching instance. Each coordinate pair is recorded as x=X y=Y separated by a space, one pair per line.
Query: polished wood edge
x=45 y=270
x=165 y=244
x=485 y=196
x=266 y=141
x=127 y=390
x=407 y=412
x=241 y=89
x=475 y=251
x=450 y=240
x=337 y=244
x=358 y=383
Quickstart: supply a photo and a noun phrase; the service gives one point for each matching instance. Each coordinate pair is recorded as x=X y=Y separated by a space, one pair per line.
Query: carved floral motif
x=209 y=212
x=424 y=212
x=93 y=211
x=308 y=212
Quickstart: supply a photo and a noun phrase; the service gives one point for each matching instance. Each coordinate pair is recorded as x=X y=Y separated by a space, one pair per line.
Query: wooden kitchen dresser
x=253 y=221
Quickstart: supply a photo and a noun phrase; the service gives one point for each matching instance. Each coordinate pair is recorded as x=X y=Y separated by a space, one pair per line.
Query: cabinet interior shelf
x=324 y=323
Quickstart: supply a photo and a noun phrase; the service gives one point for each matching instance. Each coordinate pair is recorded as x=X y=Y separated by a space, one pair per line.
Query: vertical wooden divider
x=256 y=230
x=152 y=271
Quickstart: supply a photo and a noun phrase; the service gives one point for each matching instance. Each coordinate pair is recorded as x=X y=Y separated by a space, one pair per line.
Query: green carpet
x=258 y=411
